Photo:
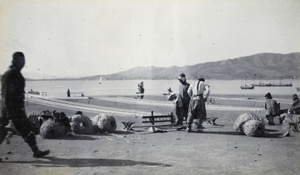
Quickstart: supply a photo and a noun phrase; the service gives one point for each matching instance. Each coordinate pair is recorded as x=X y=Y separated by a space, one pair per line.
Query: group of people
x=273 y=108
x=191 y=98
x=288 y=117
x=190 y=102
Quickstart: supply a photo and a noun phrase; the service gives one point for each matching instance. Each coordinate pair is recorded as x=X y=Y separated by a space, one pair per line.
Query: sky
x=75 y=38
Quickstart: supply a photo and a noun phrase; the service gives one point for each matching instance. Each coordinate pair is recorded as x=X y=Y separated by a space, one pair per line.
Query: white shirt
x=203 y=89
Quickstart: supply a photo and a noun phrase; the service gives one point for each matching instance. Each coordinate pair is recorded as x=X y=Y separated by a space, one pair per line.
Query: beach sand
x=217 y=150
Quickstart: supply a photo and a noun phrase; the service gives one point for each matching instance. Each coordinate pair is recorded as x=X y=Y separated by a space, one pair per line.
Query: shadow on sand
x=74 y=137
x=171 y=128
x=86 y=162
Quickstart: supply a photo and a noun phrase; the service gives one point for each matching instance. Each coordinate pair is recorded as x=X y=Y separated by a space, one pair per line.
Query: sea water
x=152 y=87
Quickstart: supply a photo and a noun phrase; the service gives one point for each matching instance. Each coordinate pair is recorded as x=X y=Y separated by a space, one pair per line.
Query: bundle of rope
x=250 y=124
x=105 y=122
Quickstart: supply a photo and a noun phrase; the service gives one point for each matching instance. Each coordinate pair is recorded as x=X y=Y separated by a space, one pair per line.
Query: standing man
x=141 y=89
x=182 y=100
x=197 y=104
x=12 y=108
x=68 y=93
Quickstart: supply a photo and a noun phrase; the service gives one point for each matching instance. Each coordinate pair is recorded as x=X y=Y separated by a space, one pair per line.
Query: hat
x=295 y=97
x=182 y=77
x=78 y=113
x=268 y=95
x=201 y=79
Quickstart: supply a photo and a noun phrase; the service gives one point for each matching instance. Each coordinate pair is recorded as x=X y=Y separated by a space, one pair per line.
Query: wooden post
x=152 y=119
x=89 y=99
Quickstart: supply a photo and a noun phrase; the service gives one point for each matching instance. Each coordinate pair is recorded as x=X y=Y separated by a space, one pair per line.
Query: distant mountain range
x=258 y=66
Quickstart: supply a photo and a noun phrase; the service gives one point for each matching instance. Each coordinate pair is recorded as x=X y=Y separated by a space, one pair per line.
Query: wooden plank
x=156 y=121
x=157 y=116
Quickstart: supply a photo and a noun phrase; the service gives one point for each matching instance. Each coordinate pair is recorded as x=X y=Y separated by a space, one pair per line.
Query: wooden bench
x=169 y=118
x=75 y=94
x=157 y=118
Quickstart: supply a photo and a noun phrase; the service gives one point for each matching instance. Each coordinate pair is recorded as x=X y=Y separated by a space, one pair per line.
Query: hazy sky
x=92 y=37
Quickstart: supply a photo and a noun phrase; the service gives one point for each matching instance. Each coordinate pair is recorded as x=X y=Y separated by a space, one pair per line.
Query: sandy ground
x=216 y=150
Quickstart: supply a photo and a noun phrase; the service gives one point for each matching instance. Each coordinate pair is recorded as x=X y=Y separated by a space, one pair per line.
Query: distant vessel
x=100 y=80
x=247 y=86
x=280 y=84
x=262 y=84
x=34 y=92
x=270 y=84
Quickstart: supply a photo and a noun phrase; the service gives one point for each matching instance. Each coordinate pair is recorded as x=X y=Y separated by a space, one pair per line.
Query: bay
x=152 y=87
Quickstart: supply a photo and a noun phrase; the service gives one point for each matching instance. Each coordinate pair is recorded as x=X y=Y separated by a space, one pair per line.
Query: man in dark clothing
x=295 y=108
x=182 y=100
x=68 y=93
x=271 y=107
x=12 y=93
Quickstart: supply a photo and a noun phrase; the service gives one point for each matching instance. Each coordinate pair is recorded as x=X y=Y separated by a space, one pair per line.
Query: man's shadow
x=85 y=162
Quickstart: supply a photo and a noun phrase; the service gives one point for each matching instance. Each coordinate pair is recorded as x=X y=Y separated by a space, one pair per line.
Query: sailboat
x=100 y=80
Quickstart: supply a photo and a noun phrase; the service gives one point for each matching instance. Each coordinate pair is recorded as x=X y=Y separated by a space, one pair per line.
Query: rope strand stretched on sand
x=127 y=112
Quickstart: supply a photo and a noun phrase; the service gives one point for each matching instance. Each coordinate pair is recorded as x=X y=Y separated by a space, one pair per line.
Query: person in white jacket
x=197 y=109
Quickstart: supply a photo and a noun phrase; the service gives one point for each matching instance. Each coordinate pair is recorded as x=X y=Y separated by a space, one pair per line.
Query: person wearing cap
x=197 y=108
x=291 y=123
x=182 y=101
x=295 y=108
x=271 y=107
x=291 y=119
x=12 y=106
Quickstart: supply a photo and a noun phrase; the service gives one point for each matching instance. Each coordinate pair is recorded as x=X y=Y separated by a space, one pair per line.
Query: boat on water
x=271 y=84
x=280 y=84
x=34 y=92
x=247 y=87
x=262 y=84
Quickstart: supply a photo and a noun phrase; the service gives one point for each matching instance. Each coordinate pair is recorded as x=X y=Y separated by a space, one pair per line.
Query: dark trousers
x=22 y=125
x=197 y=110
x=180 y=112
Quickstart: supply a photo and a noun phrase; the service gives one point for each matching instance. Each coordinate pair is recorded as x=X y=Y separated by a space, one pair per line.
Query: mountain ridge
x=257 y=66
x=263 y=66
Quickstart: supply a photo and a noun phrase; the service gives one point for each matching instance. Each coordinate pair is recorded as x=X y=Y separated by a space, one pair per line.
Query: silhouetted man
x=12 y=93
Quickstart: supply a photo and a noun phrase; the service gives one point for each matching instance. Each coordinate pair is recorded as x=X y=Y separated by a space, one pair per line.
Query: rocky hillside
x=259 y=66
